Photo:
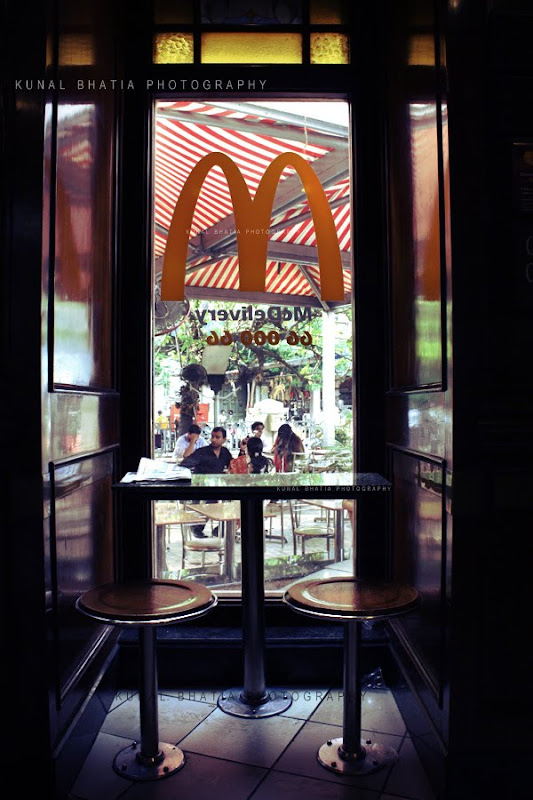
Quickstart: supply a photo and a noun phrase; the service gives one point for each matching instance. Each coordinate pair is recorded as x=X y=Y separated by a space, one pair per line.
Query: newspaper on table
x=151 y=470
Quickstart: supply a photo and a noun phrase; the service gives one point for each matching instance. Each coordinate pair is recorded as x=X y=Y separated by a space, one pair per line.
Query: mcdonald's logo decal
x=252 y=220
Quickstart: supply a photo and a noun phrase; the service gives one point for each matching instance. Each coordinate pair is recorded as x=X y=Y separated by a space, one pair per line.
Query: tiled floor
x=228 y=758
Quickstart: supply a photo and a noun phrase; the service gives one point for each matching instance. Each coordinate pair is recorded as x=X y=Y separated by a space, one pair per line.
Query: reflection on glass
x=260 y=12
x=82 y=303
x=173 y=48
x=251 y=48
x=426 y=238
x=330 y=48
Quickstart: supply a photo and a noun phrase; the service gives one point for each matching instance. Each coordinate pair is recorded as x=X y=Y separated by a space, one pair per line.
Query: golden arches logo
x=252 y=221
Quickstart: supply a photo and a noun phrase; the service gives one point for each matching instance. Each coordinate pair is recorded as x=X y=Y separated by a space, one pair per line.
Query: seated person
x=187 y=444
x=258 y=462
x=210 y=460
x=257 y=430
x=287 y=443
x=253 y=461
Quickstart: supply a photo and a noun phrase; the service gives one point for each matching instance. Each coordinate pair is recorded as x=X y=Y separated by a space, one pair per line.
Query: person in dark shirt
x=210 y=460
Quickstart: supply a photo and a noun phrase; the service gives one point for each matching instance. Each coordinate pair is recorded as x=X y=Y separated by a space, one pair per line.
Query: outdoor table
x=254 y=700
x=228 y=514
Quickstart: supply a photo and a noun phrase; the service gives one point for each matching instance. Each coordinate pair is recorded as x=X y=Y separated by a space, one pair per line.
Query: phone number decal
x=260 y=338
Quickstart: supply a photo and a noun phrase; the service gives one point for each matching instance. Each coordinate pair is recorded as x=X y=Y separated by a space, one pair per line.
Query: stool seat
x=351 y=598
x=154 y=602
x=147 y=604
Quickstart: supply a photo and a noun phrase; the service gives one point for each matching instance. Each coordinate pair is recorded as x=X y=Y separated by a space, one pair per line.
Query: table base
x=234 y=702
x=373 y=756
x=130 y=764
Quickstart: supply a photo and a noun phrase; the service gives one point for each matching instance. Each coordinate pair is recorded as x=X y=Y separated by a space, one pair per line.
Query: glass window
x=233 y=358
x=174 y=48
x=330 y=48
x=76 y=50
x=251 y=48
x=244 y=33
x=82 y=299
x=417 y=280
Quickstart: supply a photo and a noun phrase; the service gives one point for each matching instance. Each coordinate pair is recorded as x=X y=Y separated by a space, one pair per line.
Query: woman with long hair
x=253 y=461
x=287 y=443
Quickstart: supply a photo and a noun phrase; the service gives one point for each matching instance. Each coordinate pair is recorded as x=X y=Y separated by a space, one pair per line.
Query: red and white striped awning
x=252 y=136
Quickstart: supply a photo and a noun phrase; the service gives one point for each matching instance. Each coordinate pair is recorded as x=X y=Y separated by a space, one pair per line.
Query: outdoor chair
x=302 y=530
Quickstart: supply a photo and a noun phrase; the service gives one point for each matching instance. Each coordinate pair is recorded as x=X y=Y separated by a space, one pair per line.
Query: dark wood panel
x=417 y=557
x=82 y=554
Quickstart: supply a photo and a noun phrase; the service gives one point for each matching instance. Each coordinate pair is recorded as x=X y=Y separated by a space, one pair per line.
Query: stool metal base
x=129 y=763
x=234 y=702
x=374 y=756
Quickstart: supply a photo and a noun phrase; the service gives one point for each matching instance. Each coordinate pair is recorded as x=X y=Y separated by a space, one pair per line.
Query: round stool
x=352 y=600
x=147 y=604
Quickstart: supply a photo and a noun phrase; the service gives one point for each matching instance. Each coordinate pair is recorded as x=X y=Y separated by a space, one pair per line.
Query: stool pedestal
x=253 y=700
x=351 y=755
x=352 y=600
x=154 y=759
x=147 y=605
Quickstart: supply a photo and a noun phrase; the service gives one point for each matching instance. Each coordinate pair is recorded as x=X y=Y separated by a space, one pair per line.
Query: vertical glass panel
x=82 y=270
x=415 y=222
x=426 y=238
x=170 y=12
x=173 y=48
x=330 y=48
x=251 y=48
x=328 y=12
x=416 y=259
x=259 y=12
x=76 y=50
x=422 y=50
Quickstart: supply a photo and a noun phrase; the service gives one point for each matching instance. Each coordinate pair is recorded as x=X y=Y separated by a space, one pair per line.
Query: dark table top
x=277 y=486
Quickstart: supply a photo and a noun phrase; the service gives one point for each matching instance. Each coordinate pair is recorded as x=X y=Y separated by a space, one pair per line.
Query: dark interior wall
x=467 y=663
x=58 y=311
x=22 y=584
x=489 y=57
